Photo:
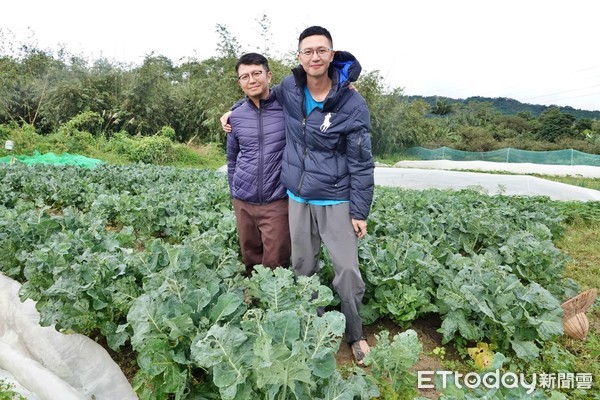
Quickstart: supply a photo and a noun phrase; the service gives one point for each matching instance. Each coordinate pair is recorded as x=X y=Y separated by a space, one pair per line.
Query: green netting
x=556 y=157
x=51 y=158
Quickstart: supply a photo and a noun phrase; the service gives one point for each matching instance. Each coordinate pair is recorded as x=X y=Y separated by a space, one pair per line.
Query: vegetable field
x=146 y=258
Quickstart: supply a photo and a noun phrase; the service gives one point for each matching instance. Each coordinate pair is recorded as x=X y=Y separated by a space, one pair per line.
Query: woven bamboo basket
x=575 y=322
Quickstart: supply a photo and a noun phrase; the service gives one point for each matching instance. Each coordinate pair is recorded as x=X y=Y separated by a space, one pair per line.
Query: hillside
x=511 y=106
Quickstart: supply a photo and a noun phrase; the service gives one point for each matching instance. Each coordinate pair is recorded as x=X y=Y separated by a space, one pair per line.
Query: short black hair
x=312 y=31
x=252 y=59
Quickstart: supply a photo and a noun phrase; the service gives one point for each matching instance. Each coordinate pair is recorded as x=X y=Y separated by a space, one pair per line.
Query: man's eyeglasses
x=321 y=51
x=246 y=77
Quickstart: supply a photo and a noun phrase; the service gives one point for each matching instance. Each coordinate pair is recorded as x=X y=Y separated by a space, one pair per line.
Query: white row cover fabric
x=491 y=184
x=585 y=171
x=44 y=364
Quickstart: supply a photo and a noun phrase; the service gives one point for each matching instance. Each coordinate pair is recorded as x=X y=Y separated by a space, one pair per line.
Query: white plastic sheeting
x=491 y=184
x=44 y=364
x=446 y=174
x=586 y=171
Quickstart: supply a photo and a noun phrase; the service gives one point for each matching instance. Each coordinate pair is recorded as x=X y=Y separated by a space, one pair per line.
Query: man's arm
x=225 y=122
x=361 y=168
x=225 y=117
x=233 y=149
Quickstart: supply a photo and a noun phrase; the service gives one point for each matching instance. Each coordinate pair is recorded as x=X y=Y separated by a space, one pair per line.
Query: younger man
x=328 y=169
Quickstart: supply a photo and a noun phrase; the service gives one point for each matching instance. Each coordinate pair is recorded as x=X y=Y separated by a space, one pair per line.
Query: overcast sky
x=535 y=51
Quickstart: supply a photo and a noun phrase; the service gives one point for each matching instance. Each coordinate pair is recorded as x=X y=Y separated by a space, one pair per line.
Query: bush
x=210 y=155
x=86 y=121
x=119 y=149
x=152 y=150
x=579 y=144
x=528 y=143
x=75 y=143
x=476 y=138
x=167 y=132
x=25 y=139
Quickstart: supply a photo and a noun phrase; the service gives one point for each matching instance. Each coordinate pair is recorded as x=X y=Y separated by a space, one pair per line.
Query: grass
x=588 y=183
x=210 y=155
x=580 y=241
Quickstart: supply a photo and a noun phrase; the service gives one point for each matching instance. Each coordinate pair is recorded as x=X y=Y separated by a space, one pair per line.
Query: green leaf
x=325 y=332
x=286 y=374
x=282 y=327
x=154 y=357
x=227 y=351
x=219 y=345
x=143 y=318
x=227 y=304
x=323 y=363
x=525 y=350
x=549 y=325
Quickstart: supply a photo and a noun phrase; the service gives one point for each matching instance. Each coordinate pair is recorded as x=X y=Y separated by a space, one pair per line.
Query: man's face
x=254 y=81
x=315 y=55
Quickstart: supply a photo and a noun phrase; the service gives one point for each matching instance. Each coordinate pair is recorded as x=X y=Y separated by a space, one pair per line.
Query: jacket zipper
x=261 y=156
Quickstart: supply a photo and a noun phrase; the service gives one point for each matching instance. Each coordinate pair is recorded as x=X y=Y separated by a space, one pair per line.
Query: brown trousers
x=264 y=233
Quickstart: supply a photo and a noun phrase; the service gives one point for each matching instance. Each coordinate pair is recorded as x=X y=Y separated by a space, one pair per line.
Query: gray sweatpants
x=309 y=225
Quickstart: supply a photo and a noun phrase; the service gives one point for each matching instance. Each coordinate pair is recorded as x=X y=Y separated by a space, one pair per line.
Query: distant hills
x=510 y=106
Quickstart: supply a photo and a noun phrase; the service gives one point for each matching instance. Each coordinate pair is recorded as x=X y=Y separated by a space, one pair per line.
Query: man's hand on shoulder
x=225 y=122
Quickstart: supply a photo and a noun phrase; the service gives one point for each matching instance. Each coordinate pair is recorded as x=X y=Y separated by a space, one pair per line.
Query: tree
x=415 y=128
x=553 y=125
x=582 y=125
x=477 y=138
x=9 y=74
x=206 y=91
x=526 y=115
x=477 y=113
x=149 y=101
x=384 y=112
x=265 y=33
x=24 y=84
x=227 y=45
x=82 y=88
x=395 y=123
x=441 y=107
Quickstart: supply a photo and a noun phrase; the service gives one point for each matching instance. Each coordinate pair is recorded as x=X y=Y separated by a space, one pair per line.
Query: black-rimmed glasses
x=246 y=77
x=321 y=51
